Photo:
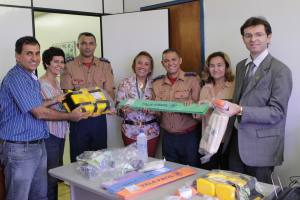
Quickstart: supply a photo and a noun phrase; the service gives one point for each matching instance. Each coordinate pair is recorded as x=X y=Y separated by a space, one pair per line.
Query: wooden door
x=185 y=34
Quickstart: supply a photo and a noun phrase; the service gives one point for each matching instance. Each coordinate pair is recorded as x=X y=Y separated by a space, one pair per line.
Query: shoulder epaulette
x=158 y=77
x=190 y=74
x=68 y=59
x=104 y=60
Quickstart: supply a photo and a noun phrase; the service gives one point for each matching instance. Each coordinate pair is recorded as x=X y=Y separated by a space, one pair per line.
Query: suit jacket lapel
x=240 y=81
x=259 y=74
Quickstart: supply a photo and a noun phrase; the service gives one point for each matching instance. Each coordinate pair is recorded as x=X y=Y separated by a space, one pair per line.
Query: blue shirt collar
x=32 y=75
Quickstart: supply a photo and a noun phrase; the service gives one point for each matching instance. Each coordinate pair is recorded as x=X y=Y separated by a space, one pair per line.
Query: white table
x=85 y=189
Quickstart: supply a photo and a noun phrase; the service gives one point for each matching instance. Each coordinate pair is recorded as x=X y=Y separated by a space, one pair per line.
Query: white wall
x=115 y=6
x=124 y=36
x=222 y=22
x=12 y=30
x=16 y=2
x=135 y=5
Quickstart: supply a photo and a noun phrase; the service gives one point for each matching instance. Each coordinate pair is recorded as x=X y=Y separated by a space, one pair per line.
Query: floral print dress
x=128 y=89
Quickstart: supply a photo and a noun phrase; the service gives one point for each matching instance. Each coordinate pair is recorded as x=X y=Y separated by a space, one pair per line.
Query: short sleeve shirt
x=76 y=75
x=185 y=88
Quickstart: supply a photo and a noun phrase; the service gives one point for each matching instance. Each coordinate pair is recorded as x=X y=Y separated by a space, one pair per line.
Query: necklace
x=140 y=87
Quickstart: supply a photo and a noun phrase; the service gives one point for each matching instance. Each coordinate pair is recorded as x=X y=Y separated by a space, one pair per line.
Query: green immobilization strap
x=165 y=106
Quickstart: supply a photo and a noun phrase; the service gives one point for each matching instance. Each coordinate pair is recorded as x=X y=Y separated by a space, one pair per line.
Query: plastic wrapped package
x=227 y=185
x=213 y=135
x=95 y=101
x=188 y=192
x=109 y=163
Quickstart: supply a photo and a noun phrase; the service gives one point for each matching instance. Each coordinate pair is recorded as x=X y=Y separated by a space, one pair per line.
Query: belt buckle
x=139 y=123
x=39 y=141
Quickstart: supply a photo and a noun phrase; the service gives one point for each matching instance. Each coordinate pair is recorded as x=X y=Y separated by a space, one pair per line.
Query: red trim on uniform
x=172 y=80
x=88 y=65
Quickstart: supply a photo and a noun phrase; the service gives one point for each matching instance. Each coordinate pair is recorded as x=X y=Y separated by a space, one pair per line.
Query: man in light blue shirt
x=22 y=129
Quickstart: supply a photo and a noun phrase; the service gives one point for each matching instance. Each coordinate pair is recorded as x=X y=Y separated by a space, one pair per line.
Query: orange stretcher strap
x=136 y=189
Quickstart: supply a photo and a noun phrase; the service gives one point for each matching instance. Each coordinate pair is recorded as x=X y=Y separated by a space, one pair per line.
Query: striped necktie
x=249 y=74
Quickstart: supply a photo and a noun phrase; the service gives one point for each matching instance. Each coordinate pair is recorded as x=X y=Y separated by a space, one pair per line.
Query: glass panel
x=53 y=29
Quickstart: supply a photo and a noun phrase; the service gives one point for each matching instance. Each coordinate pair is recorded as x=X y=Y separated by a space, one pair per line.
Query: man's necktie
x=249 y=74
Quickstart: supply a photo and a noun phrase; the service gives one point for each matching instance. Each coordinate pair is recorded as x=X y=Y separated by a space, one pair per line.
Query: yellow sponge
x=221 y=184
x=206 y=187
x=225 y=191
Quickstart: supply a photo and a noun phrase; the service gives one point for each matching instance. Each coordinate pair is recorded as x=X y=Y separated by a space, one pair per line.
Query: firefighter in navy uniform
x=181 y=133
x=88 y=71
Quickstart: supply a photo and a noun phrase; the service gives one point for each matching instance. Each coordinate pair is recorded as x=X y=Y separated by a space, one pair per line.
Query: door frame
x=172 y=3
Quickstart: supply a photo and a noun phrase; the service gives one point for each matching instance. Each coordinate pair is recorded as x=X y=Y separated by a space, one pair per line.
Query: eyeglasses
x=255 y=35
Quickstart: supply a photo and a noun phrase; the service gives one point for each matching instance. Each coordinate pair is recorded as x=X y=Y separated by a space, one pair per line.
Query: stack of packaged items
x=227 y=185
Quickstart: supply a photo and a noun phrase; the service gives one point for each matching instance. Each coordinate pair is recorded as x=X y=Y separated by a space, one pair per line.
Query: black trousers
x=182 y=148
x=88 y=135
x=263 y=174
x=55 y=150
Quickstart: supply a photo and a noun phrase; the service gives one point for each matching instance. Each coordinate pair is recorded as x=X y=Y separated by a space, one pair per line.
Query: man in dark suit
x=262 y=91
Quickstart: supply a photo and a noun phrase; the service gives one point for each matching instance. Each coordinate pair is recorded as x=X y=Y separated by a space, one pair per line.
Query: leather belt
x=139 y=123
x=190 y=129
x=185 y=131
x=39 y=141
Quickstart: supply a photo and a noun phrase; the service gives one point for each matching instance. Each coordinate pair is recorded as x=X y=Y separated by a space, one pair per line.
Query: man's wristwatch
x=241 y=111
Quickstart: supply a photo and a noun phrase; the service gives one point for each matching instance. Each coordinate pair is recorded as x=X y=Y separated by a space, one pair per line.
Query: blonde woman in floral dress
x=139 y=86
